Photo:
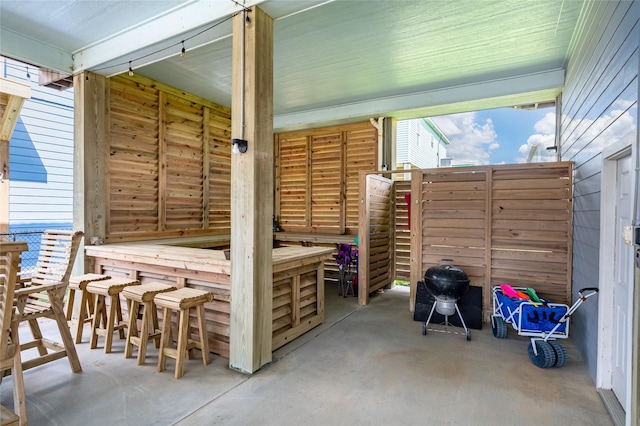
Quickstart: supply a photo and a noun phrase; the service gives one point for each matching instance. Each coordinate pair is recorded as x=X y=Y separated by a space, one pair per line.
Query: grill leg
x=466 y=330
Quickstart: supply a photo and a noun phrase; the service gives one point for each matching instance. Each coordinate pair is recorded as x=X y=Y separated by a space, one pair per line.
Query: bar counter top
x=200 y=259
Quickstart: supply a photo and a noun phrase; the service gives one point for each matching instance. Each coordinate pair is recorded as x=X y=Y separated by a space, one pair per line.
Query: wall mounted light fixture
x=239 y=145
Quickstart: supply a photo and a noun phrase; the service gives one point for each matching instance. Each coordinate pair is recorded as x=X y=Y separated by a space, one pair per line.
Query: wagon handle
x=575 y=306
x=592 y=290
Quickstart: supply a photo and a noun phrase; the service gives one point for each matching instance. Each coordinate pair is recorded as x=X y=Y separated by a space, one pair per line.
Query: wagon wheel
x=499 y=327
x=546 y=355
x=561 y=353
x=424 y=328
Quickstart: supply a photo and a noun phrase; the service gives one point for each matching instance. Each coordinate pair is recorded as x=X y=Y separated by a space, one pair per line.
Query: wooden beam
x=252 y=191
x=10 y=117
x=90 y=156
x=14 y=88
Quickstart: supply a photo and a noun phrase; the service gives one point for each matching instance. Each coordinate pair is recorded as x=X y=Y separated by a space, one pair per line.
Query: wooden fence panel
x=169 y=166
x=134 y=161
x=454 y=210
x=501 y=224
x=531 y=228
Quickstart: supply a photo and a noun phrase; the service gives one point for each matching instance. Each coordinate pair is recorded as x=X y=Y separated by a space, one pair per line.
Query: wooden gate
x=375 y=245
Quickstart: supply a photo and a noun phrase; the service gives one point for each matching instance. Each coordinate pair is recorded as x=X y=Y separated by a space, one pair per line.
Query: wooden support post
x=90 y=156
x=252 y=192
x=415 y=261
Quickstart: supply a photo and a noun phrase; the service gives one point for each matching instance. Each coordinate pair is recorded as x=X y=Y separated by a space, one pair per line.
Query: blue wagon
x=543 y=322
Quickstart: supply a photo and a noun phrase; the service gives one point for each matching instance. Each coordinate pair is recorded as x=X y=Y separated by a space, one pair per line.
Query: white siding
x=40 y=156
x=418 y=145
x=601 y=94
x=402 y=146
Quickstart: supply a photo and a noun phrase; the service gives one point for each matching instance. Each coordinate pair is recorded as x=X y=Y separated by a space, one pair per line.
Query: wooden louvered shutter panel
x=292 y=183
x=326 y=183
x=220 y=174
x=134 y=161
x=361 y=155
x=184 y=163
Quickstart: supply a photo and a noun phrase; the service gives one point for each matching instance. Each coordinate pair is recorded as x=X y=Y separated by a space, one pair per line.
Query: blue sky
x=497 y=136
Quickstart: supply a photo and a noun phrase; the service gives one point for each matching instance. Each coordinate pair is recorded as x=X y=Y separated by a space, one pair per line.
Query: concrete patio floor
x=366 y=365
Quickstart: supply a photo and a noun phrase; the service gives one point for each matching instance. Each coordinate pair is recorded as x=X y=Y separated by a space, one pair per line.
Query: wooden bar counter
x=298 y=283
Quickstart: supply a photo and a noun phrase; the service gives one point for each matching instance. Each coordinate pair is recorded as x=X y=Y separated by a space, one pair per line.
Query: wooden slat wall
x=381 y=254
x=327 y=181
x=169 y=169
x=317 y=177
x=376 y=259
x=454 y=219
x=361 y=156
x=531 y=229
x=292 y=181
x=184 y=153
x=134 y=157
x=402 y=233
x=501 y=224
x=219 y=171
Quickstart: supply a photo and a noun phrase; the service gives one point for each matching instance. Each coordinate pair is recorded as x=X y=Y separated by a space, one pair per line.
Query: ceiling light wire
x=244 y=9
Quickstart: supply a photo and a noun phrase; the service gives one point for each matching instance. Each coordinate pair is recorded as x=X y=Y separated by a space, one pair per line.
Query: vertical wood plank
x=277 y=177
x=309 y=183
x=488 y=252
x=295 y=301
x=320 y=291
x=343 y=184
x=415 y=260
x=91 y=153
x=162 y=162
x=363 y=241
x=252 y=192
x=569 y=176
x=206 y=164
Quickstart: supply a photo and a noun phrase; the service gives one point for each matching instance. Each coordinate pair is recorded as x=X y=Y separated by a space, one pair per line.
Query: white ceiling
x=334 y=61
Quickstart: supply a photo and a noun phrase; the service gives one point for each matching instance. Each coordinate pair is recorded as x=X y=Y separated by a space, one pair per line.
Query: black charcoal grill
x=446 y=283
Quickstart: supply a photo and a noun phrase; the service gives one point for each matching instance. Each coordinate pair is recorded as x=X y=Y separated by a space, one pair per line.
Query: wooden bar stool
x=101 y=290
x=181 y=301
x=85 y=314
x=141 y=296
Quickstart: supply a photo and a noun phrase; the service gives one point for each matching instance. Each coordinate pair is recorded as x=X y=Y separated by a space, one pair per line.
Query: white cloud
x=471 y=141
x=547 y=124
x=544 y=138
